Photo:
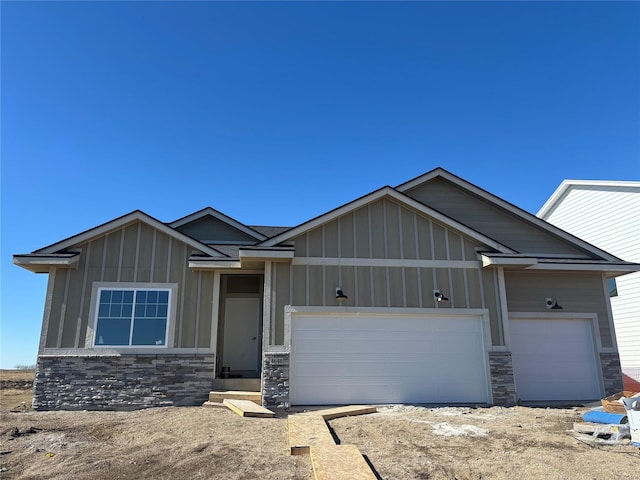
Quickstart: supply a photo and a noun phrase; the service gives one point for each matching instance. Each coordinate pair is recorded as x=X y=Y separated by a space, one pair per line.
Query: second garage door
x=380 y=359
x=554 y=359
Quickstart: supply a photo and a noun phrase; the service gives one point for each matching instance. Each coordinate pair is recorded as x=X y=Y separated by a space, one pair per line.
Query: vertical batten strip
x=324 y=268
x=120 y=253
x=153 y=256
x=63 y=309
x=403 y=271
x=169 y=247
x=448 y=251
x=86 y=254
x=196 y=340
x=356 y=297
x=274 y=303
x=480 y=282
x=135 y=261
x=182 y=283
x=464 y=274
x=371 y=285
x=47 y=311
x=419 y=273
x=104 y=257
x=385 y=235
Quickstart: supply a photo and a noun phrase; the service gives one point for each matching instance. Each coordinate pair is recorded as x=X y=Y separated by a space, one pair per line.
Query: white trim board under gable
x=210 y=212
x=398 y=197
x=517 y=211
x=136 y=215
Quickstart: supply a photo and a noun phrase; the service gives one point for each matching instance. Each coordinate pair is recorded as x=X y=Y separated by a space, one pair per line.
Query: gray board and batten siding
x=138 y=253
x=384 y=254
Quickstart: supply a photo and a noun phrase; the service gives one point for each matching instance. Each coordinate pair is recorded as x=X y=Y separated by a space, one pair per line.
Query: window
x=613 y=287
x=132 y=316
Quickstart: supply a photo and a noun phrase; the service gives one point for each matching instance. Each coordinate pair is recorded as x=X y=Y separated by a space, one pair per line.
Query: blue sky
x=274 y=113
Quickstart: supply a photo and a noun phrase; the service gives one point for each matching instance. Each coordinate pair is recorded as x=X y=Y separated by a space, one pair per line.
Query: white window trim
x=93 y=317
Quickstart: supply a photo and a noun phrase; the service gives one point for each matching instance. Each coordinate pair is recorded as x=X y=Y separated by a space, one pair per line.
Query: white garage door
x=377 y=359
x=554 y=359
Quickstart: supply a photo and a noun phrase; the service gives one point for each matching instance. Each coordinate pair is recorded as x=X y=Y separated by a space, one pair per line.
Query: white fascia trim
x=488 y=261
x=266 y=254
x=597 y=267
x=567 y=185
x=439 y=172
x=210 y=212
x=383 y=262
x=125 y=220
x=398 y=197
x=213 y=264
x=386 y=311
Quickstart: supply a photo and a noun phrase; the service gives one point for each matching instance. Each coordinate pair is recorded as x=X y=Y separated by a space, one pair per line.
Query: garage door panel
x=554 y=359
x=337 y=360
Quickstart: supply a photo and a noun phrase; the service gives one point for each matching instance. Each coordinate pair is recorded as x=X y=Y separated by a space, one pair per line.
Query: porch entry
x=240 y=327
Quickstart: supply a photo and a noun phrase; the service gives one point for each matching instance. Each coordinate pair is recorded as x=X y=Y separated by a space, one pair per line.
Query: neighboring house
x=434 y=291
x=607 y=214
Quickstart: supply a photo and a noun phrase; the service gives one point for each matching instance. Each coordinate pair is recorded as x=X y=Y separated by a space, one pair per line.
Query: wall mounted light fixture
x=439 y=296
x=552 y=303
x=340 y=296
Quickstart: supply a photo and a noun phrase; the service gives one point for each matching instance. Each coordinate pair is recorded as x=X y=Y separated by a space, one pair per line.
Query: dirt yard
x=400 y=442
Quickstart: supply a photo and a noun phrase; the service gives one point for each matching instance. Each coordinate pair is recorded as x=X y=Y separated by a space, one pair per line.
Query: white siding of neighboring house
x=607 y=215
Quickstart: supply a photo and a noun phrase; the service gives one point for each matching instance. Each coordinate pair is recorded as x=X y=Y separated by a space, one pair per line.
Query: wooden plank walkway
x=339 y=462
x=246 y=408
x=337 y=412
x=310 y=434
x=306 y=431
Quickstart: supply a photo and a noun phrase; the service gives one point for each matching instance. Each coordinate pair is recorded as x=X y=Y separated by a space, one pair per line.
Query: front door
x=240 y=338
x=242 y=334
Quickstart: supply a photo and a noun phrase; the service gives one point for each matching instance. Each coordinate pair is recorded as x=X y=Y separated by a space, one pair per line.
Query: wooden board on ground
x=339 y=462
x=246 y=408
x=306 y=431
x=337 y=412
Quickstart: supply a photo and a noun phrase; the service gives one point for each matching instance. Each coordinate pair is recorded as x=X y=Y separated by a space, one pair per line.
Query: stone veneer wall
x=503 y=386
x=123 y=382
x=275 y=380
x=611 y=373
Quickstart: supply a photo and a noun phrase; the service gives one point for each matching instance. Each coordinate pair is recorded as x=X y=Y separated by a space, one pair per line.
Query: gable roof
x=507 y=206
x=568 y=185
x=210 y=212
x=398 y=197
x=136 y=215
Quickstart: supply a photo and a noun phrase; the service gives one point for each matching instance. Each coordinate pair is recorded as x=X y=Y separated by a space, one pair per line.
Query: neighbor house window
x=613 y=287
x=132 y=317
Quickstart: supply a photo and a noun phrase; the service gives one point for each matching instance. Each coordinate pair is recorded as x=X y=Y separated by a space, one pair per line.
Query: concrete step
x=242 y=384
x=221 y=396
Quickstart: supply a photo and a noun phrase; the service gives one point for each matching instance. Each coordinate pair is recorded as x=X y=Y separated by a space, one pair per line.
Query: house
x=607 y=214
x=435 y=291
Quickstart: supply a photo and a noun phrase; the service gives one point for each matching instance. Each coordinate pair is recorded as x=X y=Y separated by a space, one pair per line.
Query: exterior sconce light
x=552 y=304
x=439 y=296
x=340 y=296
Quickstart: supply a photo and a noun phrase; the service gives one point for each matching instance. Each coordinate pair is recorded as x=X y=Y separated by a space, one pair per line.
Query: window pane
x=243 y=284
x=113 y=331
x=105 y=296
x=149 y=331
x=139 y=311
x=127 y=308
x=149 y=309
